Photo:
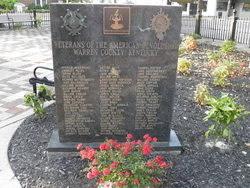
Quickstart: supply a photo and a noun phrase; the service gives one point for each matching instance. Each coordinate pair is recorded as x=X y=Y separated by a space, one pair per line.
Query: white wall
x=211 y=8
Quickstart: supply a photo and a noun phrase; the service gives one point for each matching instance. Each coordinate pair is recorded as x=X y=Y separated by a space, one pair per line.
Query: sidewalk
x=20 y=52
x=7 y=129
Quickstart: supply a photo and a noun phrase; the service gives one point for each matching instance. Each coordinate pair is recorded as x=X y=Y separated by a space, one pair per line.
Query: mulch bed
x=197 y=166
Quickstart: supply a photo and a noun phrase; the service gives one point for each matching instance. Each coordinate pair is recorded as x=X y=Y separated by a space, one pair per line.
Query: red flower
x=133 y=142
x=155 y=180
x=155 y=139
x=149 y=139
x=88 y=153
x=95 y=172
x=146 y=136
x=146 y=149
x=136 y=182
x=94 y=162
x=164 y=165
x=104 y=146
x=79 y=146
x=150 y=164
x=127 y=173
x=159 y=159
x=120 y=184
x=90 y=176
x=127 y=148
x=139 y=142
x=106 y=171
x=129 y=136
x=117 y=146
x=114 y=165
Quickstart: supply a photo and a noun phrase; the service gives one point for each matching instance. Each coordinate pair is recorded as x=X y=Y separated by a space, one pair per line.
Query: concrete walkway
x=20 y=52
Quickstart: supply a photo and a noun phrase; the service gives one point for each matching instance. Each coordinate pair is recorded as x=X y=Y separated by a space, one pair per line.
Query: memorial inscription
x=111 y=78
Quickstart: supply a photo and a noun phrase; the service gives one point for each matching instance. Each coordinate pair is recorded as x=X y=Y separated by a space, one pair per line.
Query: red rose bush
x=125 y=164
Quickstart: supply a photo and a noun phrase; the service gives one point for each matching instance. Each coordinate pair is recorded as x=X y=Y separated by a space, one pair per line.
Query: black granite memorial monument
x=115 y=72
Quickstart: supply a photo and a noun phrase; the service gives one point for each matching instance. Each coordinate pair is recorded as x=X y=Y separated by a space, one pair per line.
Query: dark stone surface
x=119 y=82
x=55 y=145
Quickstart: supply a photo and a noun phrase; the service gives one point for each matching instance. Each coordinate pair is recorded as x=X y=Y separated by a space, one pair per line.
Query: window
x=222 y=5
x=204 y=5
x=184 y=7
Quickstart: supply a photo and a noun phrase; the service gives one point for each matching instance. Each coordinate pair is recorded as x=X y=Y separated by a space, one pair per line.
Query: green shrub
x=223 y=112
x=201 y=94
x=32 y=6
x=220 y=76
x=7 y=5
x=195 y=36
x=44 y=93
x=181 y=51
x=184 y=66
x=46 y=7
x=214 y=56
x=34 y=102
x=228 y=46
x=37 y=101
x=231 y=65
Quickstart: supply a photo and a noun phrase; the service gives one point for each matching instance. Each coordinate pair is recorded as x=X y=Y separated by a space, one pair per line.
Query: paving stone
x=21 y=51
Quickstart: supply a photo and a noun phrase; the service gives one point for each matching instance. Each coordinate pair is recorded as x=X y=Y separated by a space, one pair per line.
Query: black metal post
x=34 y=15
x=198 y=22
x=233 y=26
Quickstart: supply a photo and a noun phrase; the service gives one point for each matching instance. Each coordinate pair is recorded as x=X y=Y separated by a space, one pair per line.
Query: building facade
x=218 y=8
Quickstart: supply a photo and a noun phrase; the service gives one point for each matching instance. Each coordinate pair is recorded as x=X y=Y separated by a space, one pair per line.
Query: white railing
x=215 y=28
x=242 y=32
x=219 y=28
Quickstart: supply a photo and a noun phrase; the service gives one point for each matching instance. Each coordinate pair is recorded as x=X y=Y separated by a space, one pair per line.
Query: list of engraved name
x=112 y=106
x=75 y=91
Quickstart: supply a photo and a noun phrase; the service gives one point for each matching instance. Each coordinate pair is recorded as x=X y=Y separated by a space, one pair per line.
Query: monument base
x=54 y=145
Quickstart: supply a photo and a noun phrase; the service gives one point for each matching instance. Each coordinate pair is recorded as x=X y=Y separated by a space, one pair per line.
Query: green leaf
x=225 y=133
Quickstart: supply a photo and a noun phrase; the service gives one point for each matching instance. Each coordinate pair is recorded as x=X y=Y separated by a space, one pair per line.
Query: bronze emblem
x=116 y=20
x=73 y=21
x=160 y=23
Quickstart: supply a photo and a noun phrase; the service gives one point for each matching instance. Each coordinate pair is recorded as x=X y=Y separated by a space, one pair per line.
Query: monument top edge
x=116 y=4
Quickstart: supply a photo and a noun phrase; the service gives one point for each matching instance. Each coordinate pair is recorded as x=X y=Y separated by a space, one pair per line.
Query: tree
x=7 y=4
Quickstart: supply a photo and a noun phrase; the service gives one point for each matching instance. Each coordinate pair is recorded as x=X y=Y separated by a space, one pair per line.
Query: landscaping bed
x=197 y=166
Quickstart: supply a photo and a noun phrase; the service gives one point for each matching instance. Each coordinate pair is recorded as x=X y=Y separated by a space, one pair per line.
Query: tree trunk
x=229 y=8
x=198 y=17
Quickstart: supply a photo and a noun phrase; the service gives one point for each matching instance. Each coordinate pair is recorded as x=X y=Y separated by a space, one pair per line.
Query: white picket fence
x=242 y=33
x=215 y=28
x=218 y=28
